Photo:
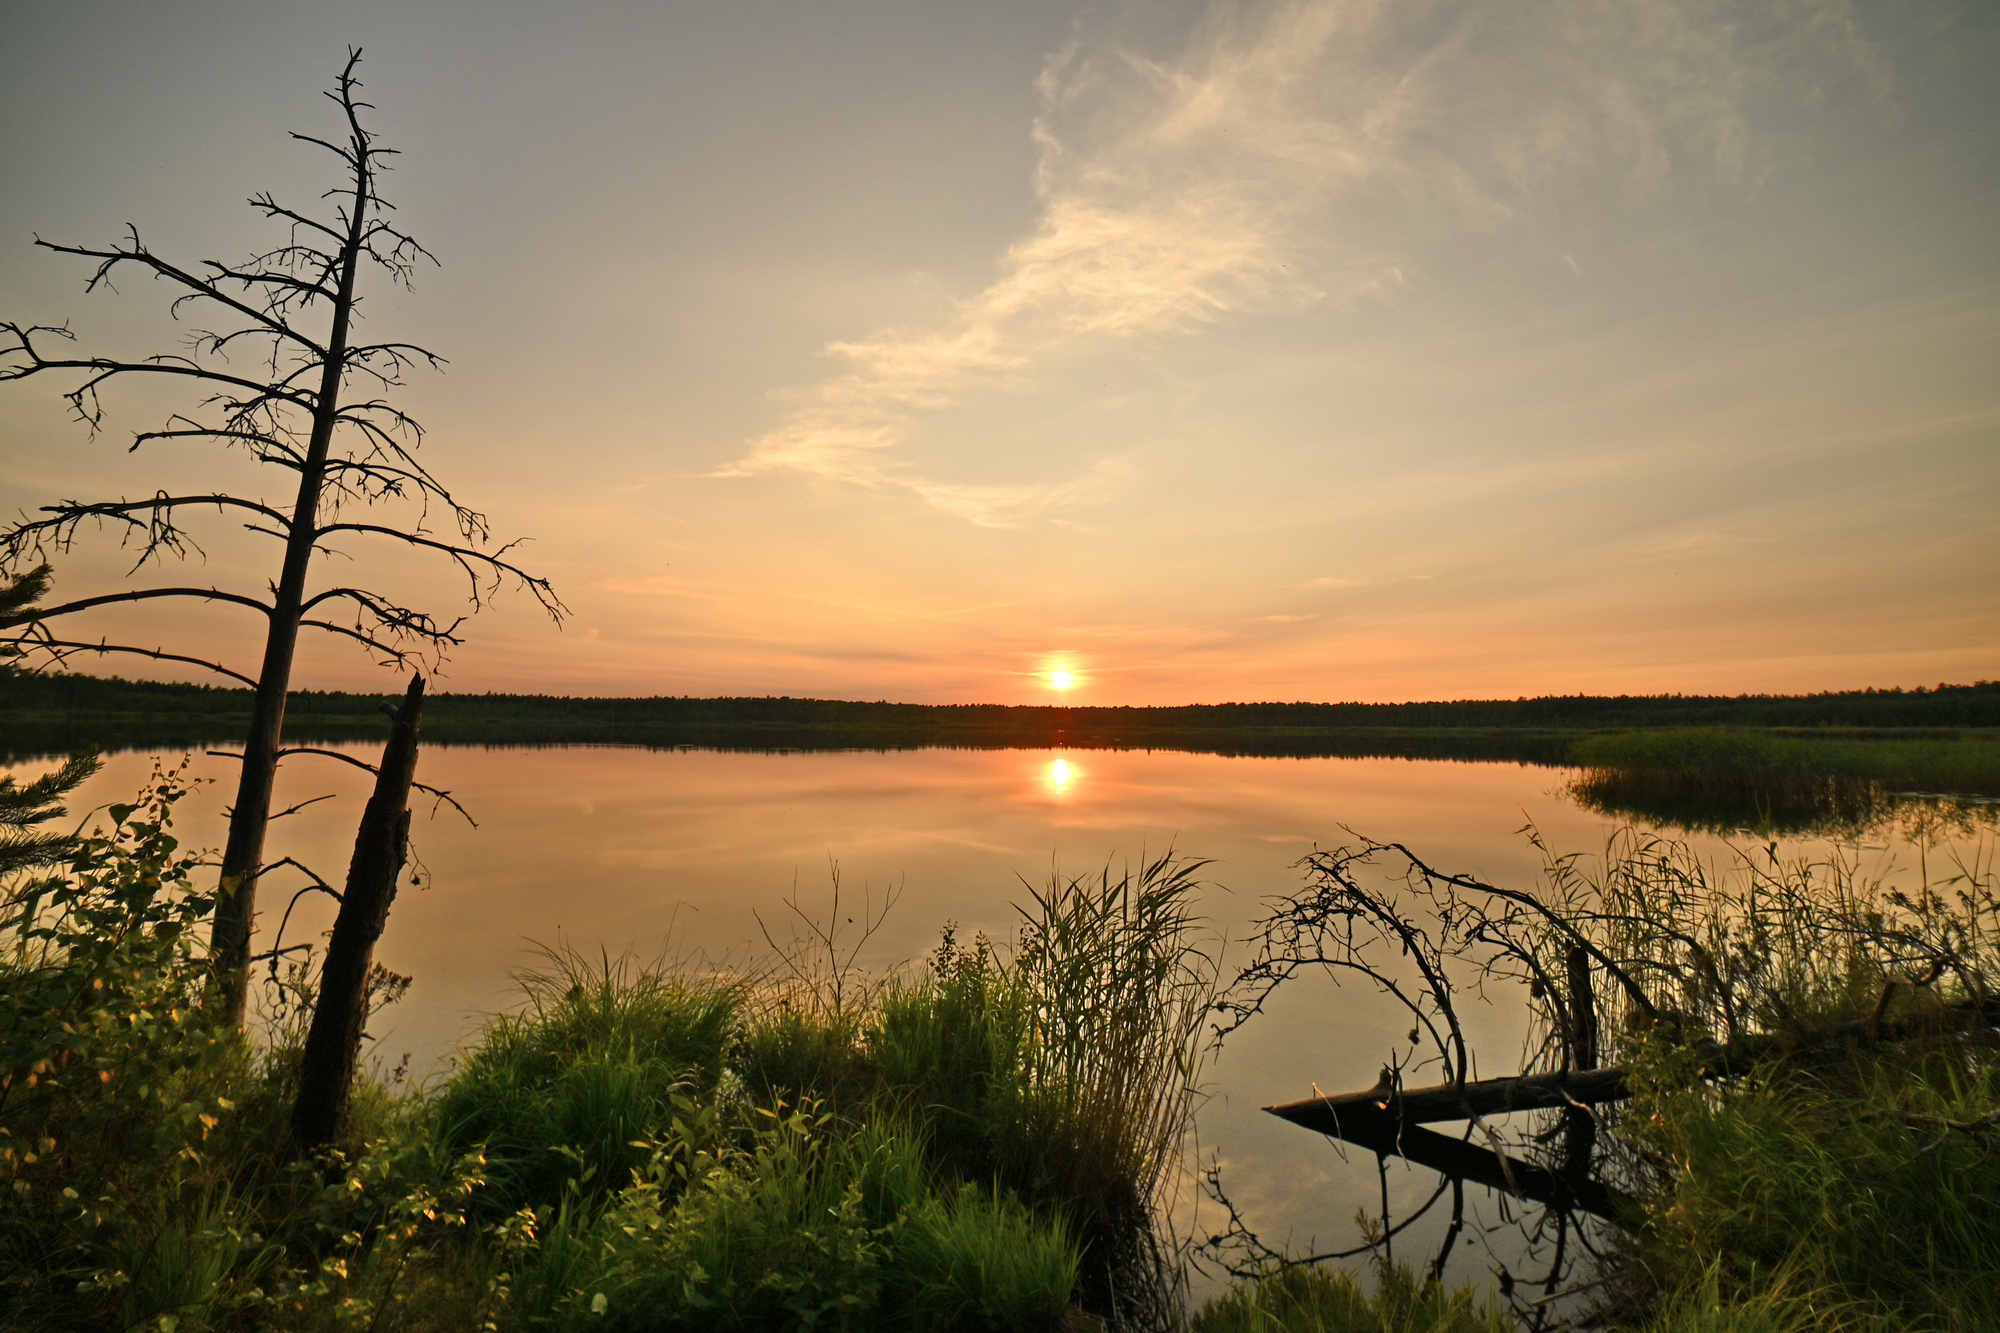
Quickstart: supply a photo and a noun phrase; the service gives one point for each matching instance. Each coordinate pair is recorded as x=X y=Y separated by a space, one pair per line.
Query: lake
x=682 y=852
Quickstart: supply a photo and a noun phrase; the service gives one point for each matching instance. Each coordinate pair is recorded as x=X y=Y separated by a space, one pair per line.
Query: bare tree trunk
x=243 y=855
x=326 y=1070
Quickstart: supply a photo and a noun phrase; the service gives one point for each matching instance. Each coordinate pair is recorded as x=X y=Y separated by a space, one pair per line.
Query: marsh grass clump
x=1306 y=1299
x=557 y=1093
x=1119 y=981
x=1721 y=780
x=1844 y=1185
x=979 y=1142
x=800 y=1222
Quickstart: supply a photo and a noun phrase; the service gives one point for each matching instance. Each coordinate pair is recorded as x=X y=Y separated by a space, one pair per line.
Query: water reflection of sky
x=676 y=852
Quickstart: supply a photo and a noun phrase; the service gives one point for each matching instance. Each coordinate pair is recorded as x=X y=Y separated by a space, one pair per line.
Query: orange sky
x=1318 y=350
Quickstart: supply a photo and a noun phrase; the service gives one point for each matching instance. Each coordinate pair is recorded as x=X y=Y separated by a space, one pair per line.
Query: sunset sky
x=922 y=350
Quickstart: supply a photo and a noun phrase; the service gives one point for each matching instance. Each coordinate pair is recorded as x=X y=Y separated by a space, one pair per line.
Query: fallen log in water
x=1384 y=1121
x=1382 y=1108
x=1387 y=1119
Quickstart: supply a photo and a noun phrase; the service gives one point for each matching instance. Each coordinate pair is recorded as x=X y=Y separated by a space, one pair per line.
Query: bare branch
x=38 y=614
x=294 y=809
x=470 y=561
x=389 y=616
x=83 y=399
x=444 y=797
x=286 y=455
x=38 y=640
x=199 y=288
x=270 y=207
x=1640 y=1000
x=158 y=528
x=391 y=655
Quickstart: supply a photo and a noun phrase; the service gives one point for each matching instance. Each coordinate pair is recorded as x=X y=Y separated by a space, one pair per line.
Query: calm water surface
x=679 y=852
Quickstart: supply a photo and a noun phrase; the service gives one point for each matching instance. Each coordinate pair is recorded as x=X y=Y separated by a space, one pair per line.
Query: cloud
x=1162 y=209
x=1284 y=157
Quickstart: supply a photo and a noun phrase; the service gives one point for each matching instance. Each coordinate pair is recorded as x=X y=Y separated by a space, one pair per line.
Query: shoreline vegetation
x=1723 y=781
x=50 y=713
x=1825 y=764
x=991 y=1139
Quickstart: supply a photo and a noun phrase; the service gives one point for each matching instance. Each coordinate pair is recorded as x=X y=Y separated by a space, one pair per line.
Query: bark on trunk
x=250 y=816
x=326 y=1069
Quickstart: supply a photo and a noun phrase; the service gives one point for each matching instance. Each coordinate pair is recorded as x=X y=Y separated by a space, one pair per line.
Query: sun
x=1062 y=680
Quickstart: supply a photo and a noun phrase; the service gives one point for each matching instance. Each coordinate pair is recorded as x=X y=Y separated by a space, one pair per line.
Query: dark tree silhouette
x=381 y=846
x=312 y=404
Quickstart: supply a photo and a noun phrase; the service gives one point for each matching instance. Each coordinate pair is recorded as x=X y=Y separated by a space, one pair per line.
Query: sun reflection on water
x=1060 y=777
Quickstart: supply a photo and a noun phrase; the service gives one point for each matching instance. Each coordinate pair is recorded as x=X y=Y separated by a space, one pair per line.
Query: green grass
x=981 y=1143
x=1822 y=1187
x=1795 y=1183
x=1723 y=780
x=1966 y=766
x=809 y=1224
x=1315 y=1300
x=560 y=1090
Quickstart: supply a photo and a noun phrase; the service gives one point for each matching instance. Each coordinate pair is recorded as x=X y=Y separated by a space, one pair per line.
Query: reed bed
x=1724 y=781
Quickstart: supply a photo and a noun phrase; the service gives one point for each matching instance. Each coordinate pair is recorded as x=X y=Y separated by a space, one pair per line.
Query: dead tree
x=381 y=847
x=310 y=403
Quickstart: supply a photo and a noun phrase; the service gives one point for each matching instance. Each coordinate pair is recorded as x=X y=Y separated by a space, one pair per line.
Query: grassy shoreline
x=1723 y=781
x=982 y=1142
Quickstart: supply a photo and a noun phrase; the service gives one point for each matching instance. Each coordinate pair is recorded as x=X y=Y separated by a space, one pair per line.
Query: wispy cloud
x=1274 y=161
x=1162 y=207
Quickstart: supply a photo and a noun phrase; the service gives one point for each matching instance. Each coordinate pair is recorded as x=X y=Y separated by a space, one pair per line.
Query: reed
x=999 y=1123
x=1841 y=1184
x=1722 y=780
x=1319 y=1300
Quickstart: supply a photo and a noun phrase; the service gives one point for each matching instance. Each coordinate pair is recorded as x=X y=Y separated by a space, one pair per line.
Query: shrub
x=112 y=1067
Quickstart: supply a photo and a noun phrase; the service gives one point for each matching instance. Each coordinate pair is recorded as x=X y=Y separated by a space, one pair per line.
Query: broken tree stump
x=381 y=846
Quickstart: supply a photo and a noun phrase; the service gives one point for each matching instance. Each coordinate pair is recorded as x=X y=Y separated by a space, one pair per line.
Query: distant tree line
x=82 y=700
